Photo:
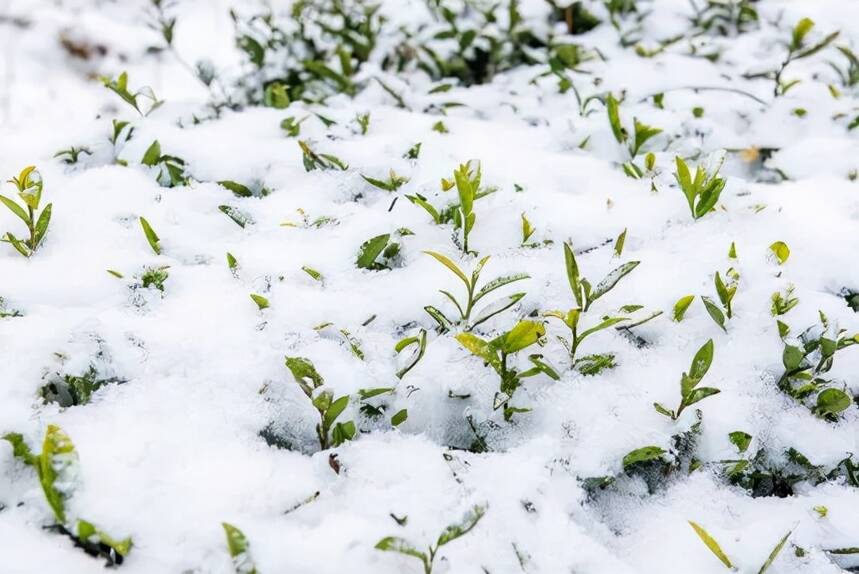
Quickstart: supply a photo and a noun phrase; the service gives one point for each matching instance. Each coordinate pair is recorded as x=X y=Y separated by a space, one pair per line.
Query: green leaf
x=305 y=374
x=87 y=531
x=334 y=411
x=775 y=551
x=477 y=346
x=56 y=464
x=400 y=545
x=701 y=361
x=239 y=549
x=152 y=156
x=614 y=119
x=663 y=411
x=681 y=305
x=800 y=31
x=605 y=324
x=16 y=209
x=781 y=251
x=832 y=402
x=741 y=440
x=498 y=283
x=495 y=308
x=238 y=189
x=714 y=311
x=262 y=302
x=643 y=133
x=399 y=417
x=700 y=394
x=452 y=266
x=343 y=432
x=468 y=521
x=421 y=342
x=370 y=250
x=711 y=543
x=643 y=454
x=619 y=243
x=522 y=335
x=42 y=225
x=20 y=450
x=151 y=237
x=792 y=357
x=612 y=279
x=573 y=273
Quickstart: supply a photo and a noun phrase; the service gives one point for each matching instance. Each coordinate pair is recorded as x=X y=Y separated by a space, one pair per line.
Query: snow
x=175 y=450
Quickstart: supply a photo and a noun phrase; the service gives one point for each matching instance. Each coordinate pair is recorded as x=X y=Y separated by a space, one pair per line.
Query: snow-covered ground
x=201 y=422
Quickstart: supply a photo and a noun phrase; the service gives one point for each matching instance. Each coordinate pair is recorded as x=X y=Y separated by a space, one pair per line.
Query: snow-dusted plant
x=473 y=295
x=702 y=192
x=641 y=134
x=806 y=361
x=496 y=353
x=57 y=469
x=143 y=100
x=725 y=291
x=172 y=171
x=29 y=186
x=328 y=430
x=585 y=295
x=690 y=392
x=451 y=533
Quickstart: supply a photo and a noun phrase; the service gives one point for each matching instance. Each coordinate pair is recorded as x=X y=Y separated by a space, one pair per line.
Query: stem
x=574 y=345
x=470 y=298
x=31 y=226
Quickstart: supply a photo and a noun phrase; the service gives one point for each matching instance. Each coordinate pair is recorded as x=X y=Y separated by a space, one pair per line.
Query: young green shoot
x=496 y=353
x=29 y=186
x=473 y=295
x=451 y=533
x=690 y=392
x=584 y=296
x=329 y=432
x=702 y=193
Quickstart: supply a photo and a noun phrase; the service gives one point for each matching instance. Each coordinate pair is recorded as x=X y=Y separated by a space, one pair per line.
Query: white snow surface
x=175 y=450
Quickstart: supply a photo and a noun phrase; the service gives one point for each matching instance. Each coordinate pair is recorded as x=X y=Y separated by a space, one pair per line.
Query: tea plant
x=725 y=291
x=322 y=161
x=584 y=296
x=393 y=183
x=329 y=432
x=451 y=533
x=467 y=178
x=378 y=253
x=29 y=185
x=782 y=303
x=72 y=390
x=690 y=392
x=497 y=351
x=143 y=100
x=171 y=169
x=154 y=277
x=239 y=549
x=71 y=155
x=151 y=237
x=702 y=193
x=641 y=134
x=717 y=551
x=473 y=295
x=418 y=344
x=806 y=361
x=56 y=467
